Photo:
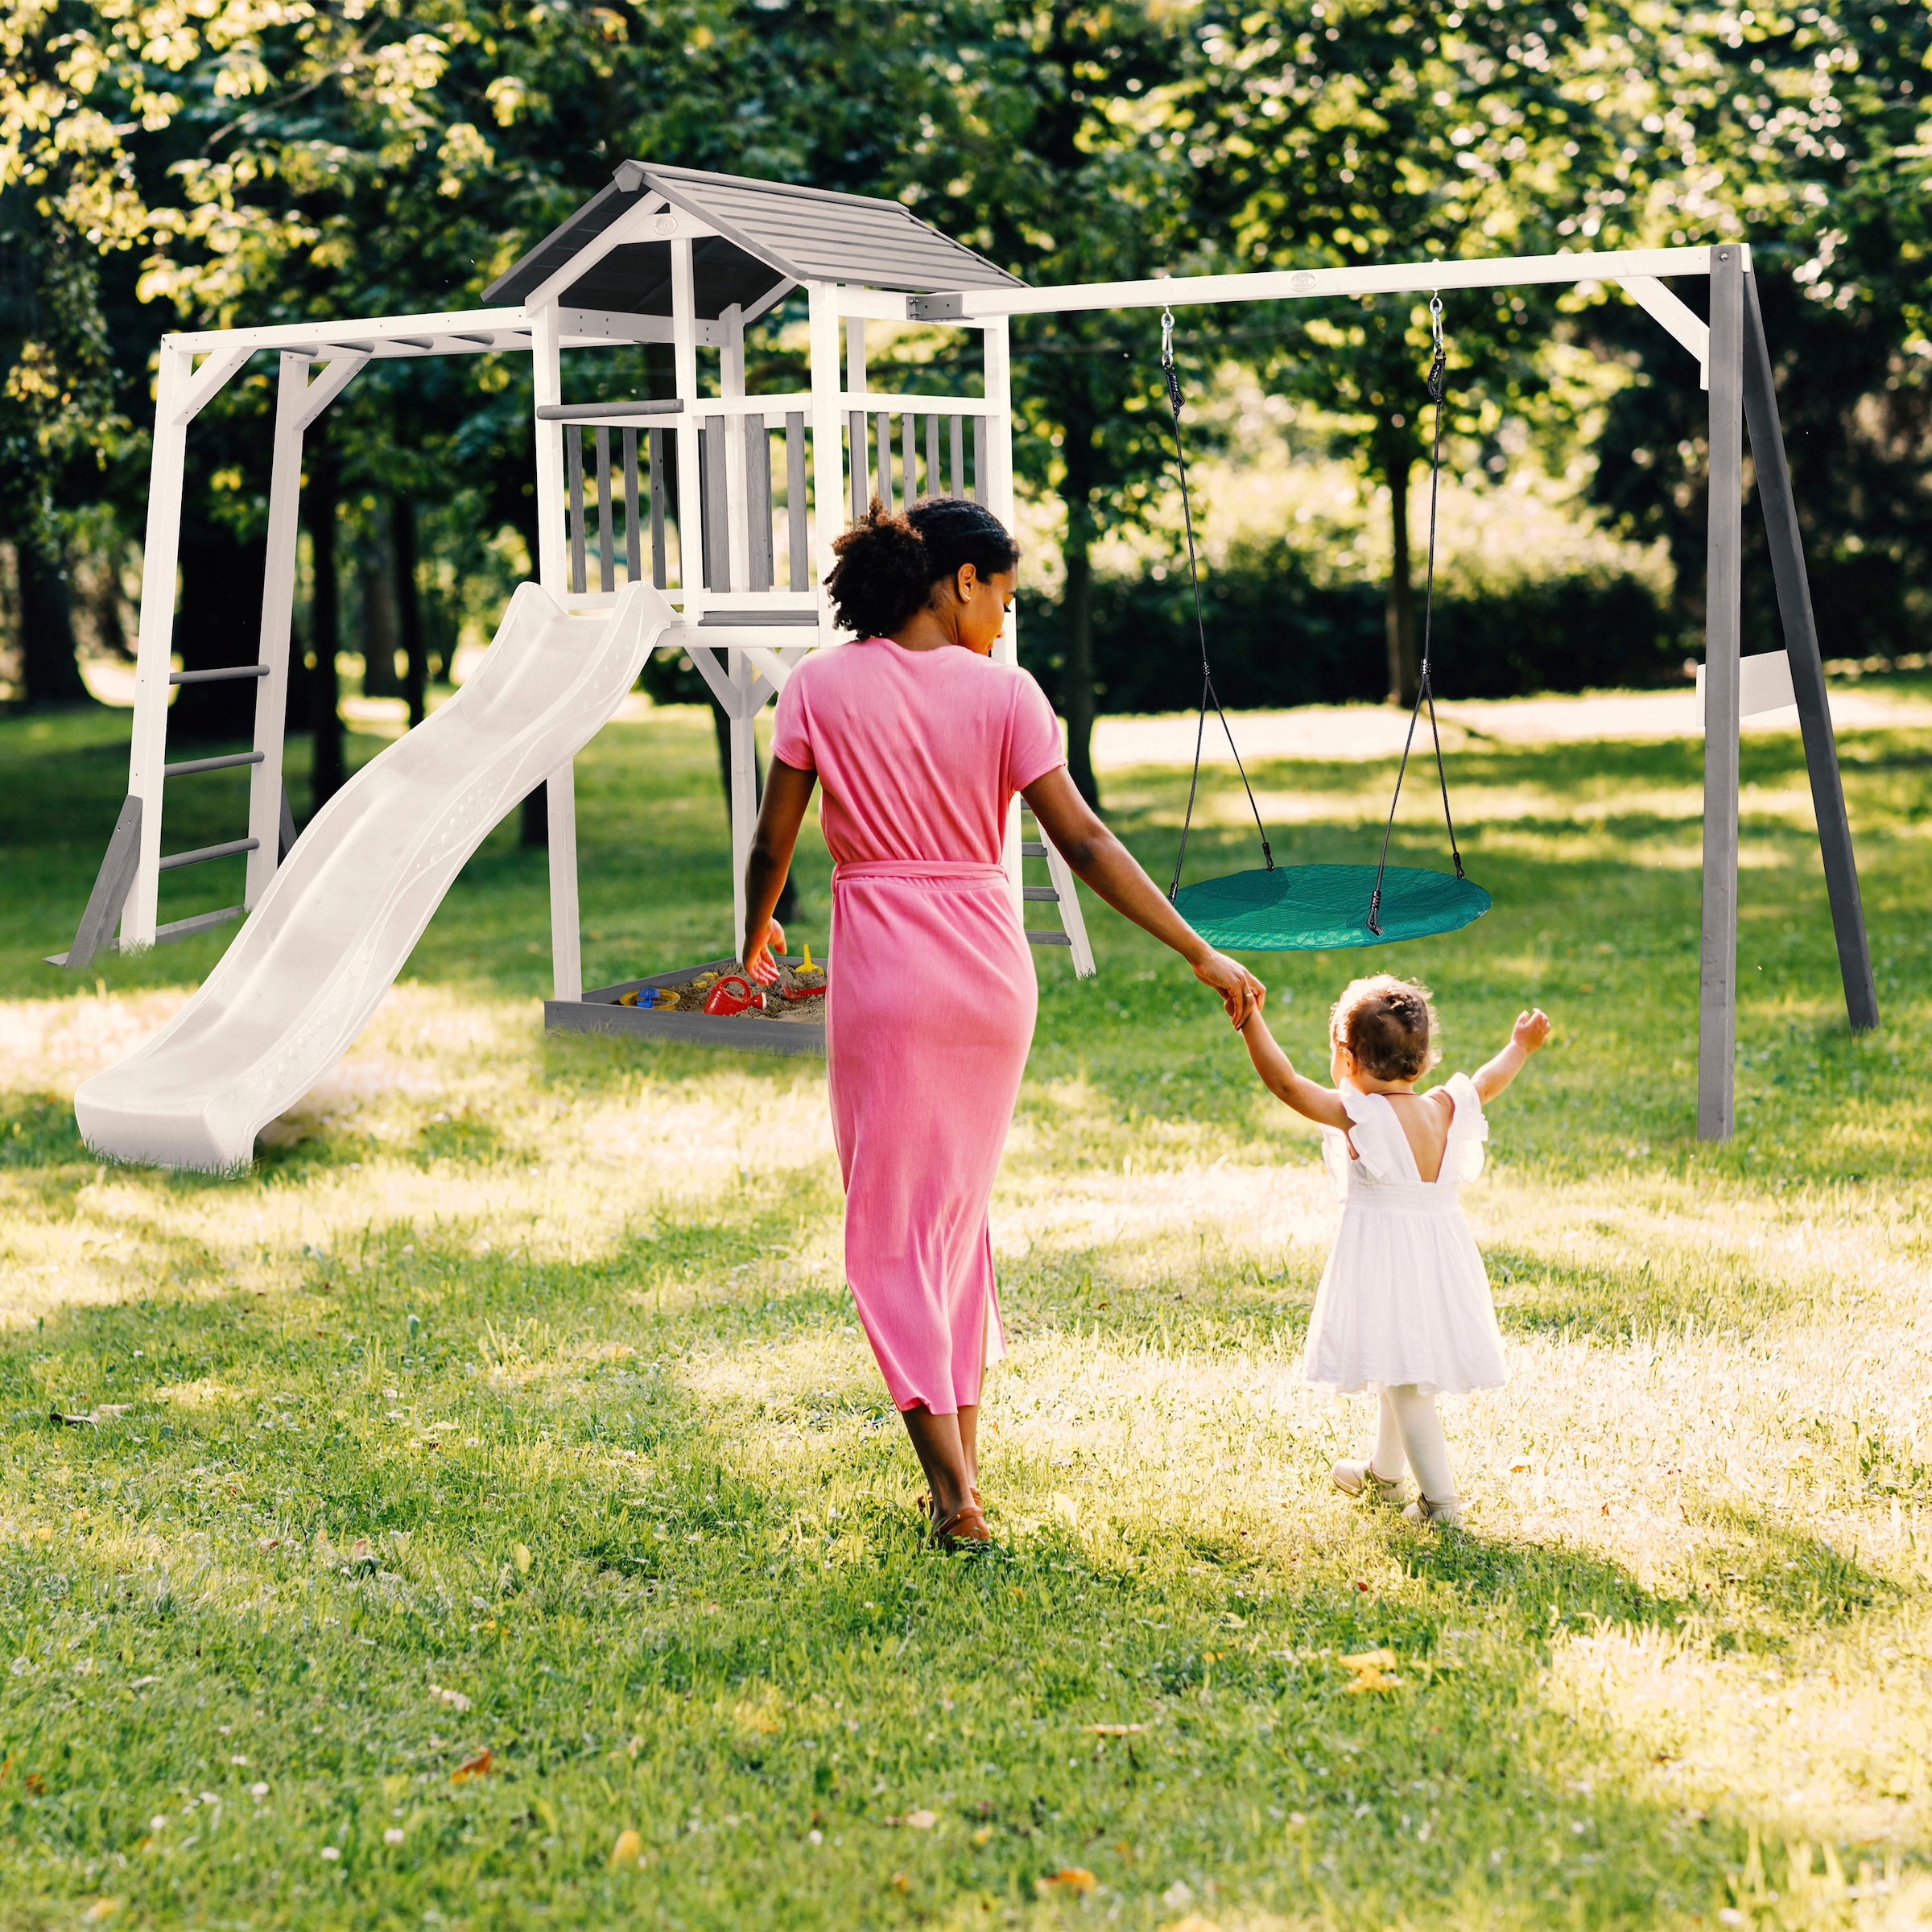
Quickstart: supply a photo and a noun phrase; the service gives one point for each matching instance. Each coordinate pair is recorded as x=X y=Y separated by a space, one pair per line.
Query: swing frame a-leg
x=1743 y=394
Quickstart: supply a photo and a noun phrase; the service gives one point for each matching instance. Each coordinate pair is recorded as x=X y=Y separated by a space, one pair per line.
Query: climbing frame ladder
x=126 y=890
x=1060 y=892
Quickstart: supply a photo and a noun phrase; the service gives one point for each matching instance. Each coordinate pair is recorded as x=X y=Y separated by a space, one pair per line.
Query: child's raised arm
x=1530 y=1032
x=1320 y=1103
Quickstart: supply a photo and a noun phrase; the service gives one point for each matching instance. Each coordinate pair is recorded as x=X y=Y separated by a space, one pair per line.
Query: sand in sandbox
x=777 y=1009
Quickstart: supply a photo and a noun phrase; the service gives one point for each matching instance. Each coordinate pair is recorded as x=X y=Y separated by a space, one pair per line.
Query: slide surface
x=345 y=908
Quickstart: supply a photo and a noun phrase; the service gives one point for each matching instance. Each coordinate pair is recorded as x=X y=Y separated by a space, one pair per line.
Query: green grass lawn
x=500 y=1522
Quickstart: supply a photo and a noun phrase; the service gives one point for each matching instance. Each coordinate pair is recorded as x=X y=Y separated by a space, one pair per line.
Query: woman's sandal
x=966 y=1527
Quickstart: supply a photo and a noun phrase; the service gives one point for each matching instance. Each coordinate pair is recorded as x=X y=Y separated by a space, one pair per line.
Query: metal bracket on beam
x=948 y=306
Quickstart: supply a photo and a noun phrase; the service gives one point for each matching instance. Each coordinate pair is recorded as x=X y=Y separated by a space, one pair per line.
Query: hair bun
x=888 y=563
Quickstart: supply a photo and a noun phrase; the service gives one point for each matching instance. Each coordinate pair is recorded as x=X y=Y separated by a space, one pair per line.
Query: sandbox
x=781 y=1026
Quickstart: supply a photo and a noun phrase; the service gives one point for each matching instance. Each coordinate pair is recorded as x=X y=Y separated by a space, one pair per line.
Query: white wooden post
x=744 y=787
x=691 y=496
x=828 y=440
x=154 y=653
x=737 y=508
x=277 y=617
x=996 y=492
x=859 y=478
x=552 y=561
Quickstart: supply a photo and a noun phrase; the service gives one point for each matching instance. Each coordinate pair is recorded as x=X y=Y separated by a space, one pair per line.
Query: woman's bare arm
x=1100 y=859
x=787 y=792
x=1322 y=1104
x=1530 y=1032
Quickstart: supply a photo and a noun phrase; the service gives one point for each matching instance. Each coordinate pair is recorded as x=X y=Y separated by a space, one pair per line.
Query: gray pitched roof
x=769 y=232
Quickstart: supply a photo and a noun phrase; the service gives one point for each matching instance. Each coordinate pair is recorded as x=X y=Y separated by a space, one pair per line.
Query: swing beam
x=1735 y=366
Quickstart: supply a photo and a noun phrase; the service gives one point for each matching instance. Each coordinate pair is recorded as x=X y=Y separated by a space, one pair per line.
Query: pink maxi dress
x=931 y=1001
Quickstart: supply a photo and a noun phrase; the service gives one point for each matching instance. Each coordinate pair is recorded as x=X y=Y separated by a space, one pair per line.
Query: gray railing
x=873 y=457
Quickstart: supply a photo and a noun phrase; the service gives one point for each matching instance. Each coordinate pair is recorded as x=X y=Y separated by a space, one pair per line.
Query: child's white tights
x=1409 y=1434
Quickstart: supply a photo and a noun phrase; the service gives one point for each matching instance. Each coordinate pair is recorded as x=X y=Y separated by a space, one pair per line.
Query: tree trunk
x=1401 y=601
x=376 y=591
x=324 y=693
x=409 y=608
x=50 y=672
x=533 y=824
x=220 y=627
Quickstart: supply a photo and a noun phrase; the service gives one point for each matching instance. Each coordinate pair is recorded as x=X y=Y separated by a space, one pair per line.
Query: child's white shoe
x=1449 y=1512
x=1355 y=1479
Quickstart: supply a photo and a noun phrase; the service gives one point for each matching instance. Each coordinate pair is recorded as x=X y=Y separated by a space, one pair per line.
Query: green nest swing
x=1322 y=908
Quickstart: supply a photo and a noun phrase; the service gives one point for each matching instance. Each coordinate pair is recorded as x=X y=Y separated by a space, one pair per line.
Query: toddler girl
x=1404 y=1304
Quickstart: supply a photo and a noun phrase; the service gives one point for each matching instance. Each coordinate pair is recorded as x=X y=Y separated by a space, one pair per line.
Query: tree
x=1335 y=135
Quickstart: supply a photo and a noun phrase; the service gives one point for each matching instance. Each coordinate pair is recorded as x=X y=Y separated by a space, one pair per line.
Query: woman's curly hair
x=888 y=564
x=1388 y=1025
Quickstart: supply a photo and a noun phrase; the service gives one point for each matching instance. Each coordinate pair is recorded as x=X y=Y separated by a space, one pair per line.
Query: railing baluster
x=859 y=465
x=959 y=456
x=573 y=451
x=607 y=568
x=633 y=538
x=660 y=569
x=934 y=484
x=885 y=460
x=979 y=459
x=909 y=466
x=794 y=499
x=717 y=538
x=758 y=503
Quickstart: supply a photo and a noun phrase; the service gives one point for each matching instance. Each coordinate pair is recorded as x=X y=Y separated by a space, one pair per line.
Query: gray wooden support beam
x=1717 y=975
x=1786 y=544
x=111 y=885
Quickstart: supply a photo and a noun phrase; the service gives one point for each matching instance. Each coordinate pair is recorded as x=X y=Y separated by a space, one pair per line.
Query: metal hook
x=1435 y=317
x=1167 y=338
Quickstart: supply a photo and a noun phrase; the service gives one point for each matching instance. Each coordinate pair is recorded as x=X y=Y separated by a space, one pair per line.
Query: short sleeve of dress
x=1033 y=735
x=791 y=730
x=1468 y=1129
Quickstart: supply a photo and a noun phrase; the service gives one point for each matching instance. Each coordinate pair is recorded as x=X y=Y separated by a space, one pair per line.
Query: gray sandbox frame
x=597 y=1010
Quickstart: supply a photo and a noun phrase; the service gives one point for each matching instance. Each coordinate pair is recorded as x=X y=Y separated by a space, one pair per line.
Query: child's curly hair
x=1388 y=1025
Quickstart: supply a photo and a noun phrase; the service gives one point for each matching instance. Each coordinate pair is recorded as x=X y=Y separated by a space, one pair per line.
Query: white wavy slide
x=345 y=908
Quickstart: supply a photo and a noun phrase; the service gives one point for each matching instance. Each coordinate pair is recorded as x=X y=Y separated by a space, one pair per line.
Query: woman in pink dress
x=921 y=741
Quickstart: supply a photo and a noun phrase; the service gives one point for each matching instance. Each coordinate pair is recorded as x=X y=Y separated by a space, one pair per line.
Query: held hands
x=1242 y=992
x=757 y=952
x=1530 y=1031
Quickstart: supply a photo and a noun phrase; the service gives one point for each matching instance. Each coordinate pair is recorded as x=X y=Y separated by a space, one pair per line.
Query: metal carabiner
x=1435 y=319
x=1167 y=338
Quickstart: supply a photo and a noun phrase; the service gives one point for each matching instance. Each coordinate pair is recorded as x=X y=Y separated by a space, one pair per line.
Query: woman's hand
x=1242 y=992
x=757 y=952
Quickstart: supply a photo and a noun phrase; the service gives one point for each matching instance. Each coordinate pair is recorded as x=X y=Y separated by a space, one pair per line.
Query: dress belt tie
x=964 y=871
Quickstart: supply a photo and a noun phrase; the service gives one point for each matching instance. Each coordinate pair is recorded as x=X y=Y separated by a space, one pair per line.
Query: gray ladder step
x=1046 y=893
x=209 y=852
x=1032 y=848
x=1035 y=937
x=222 y=764
x=215 y=677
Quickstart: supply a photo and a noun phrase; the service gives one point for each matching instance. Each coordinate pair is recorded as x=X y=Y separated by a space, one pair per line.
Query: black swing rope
x=1209 y=695
x=1437 y=381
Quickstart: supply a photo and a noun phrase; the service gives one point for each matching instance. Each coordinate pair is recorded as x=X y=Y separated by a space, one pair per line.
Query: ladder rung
x=209 y=852
x=193 y=765
x=215 y=677
x=1039 y=892
x=1032 y=848
x=1036 y=937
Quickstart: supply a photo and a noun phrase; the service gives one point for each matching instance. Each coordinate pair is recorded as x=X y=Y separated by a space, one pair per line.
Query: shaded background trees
x=258 y=167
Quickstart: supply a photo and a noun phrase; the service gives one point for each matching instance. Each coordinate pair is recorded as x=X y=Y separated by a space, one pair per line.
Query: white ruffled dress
x=1405 y=1298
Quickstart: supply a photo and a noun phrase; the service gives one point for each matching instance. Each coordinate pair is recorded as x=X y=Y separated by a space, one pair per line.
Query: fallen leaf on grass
x=899 y=1881
x=1371 y=1668
x=479 y=1766
x=1070 y=1878
x=629 y=1847
x=455 y=1699
x=1116 y=1730
x=100 y=1908
x=920 y=1820
x=35 y=1783
x=519 y=1554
